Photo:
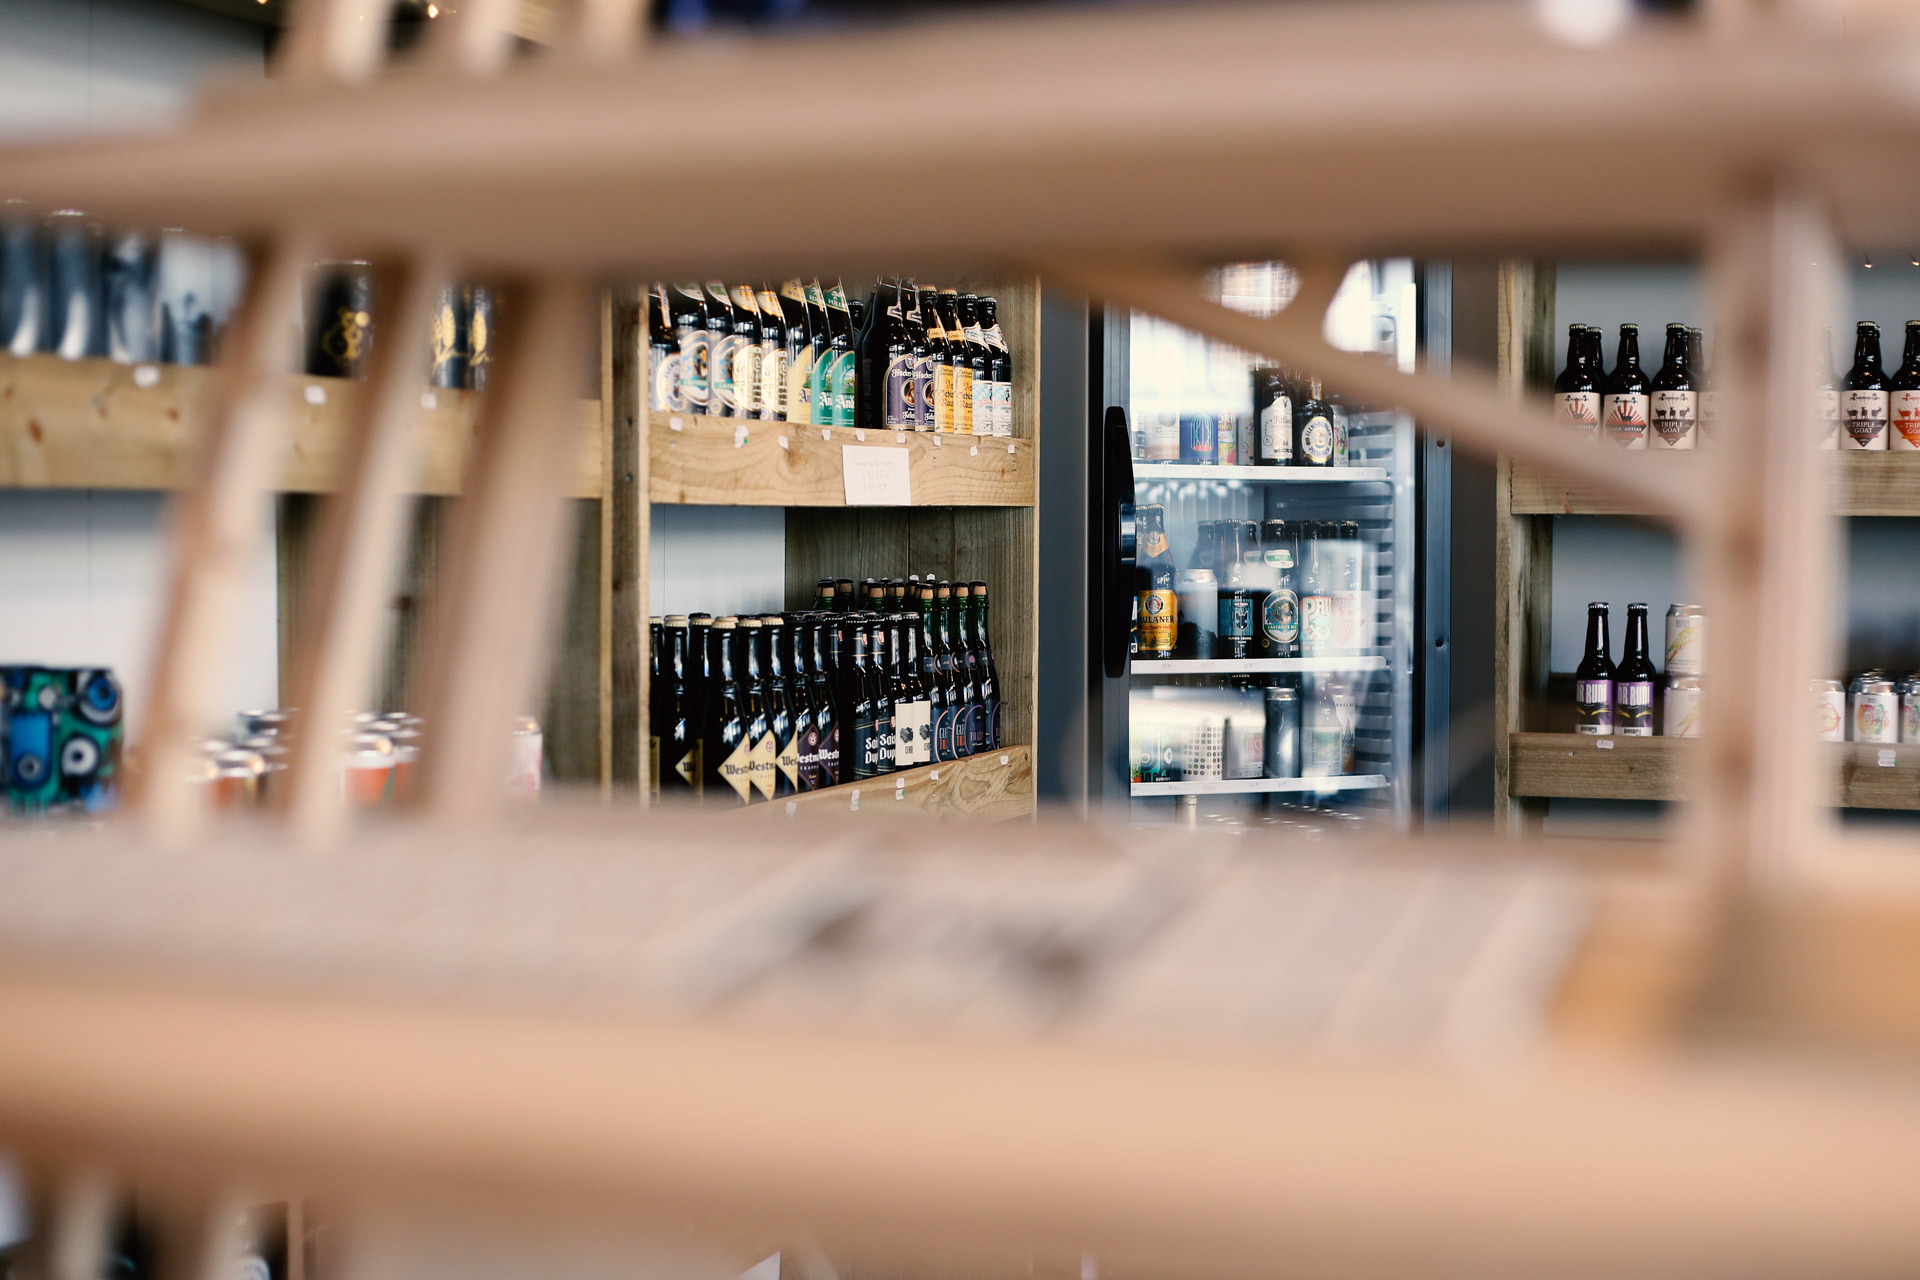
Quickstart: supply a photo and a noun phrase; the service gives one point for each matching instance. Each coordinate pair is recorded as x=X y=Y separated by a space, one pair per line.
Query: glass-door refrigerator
x=1256 y=608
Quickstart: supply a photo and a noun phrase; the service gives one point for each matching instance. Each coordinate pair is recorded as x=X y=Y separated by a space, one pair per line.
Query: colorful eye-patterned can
x=1199 y=439
x=60 y=732
x=1681 y=718
x=1910 y=708
x=1829 y=698
x=1686 y=640
x=1875 y=708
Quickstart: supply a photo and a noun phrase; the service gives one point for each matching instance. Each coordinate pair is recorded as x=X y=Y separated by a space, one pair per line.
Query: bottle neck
x=1628 y=354
x=1599 y=643
x=1866 y=349
x=1911 y=355
x=1676 y=353
x=1637 y=635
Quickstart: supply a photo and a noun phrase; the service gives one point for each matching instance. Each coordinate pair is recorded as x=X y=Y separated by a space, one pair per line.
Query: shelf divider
x=1259 y=786
x=1254 y=666
x=1143 y=471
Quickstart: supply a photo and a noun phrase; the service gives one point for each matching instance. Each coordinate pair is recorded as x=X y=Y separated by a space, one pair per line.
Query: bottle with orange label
x=1903 y=400
x=1159 y=610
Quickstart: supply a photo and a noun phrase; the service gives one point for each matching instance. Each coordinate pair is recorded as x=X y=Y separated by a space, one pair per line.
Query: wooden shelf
x=94 y=424
x=1252 y=666
x=1567 y=765
x=1145 y=471
x=1257 y=786
x=991 y=786
x=740 y=462
x=1864 y=484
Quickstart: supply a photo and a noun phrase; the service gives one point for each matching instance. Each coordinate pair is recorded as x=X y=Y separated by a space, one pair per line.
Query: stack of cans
x=1686 y=670
x=1881 y=708
x=60 y=734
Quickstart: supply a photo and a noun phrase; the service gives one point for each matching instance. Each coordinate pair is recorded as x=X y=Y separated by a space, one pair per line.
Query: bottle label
x=761 y=764
x=1159 y=618
x=737 y=769
x=1709 y=413
x=1910 y=717
x=1316 y=440
x=993 y=726
x=1682 y=716
x=1904 y=413
x=787 y=760
x=1633 y=708
x=1324 y=754
x=1593 y=707
x=1003 y=410
x=1874 y=717
x=1624 y=419
x=1829 y=419
x=1276 y=431
x=943 y=396
x=943 y=734
x=963 y=400
x=1280 y=622
x=1674 y=415
x=688 y=767
x=696 y=350
x=1350 y=621
x=800 y=386
x=976 y=730
x=846 y=388
x=1236 y=615
x=924 y=417
x=1578 y=410
x=1316 y=626
x=866 y=749
x=725 y=401
x=828 y=771
x=1277 y=558
x=1863 y=418
x=666 y=380
x=773 y=382
x=809 y=771
x=984 y=414
x=1162 y=438
x=913 y=730
x=1339 y=437
x=1153 y=544
x=746 y=377
x=899 y=393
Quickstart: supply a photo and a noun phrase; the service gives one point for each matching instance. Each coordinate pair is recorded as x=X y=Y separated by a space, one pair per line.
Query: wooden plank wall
x=624 y=528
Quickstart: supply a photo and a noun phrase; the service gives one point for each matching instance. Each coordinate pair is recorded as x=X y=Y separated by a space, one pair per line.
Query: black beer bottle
x=781 y=708
x=773 y=357
x=989 y=672
x=679 y=758
x=663 y=355
x=934 y=377
x=1280 y=613
x=758 y=707
x=1703 y=381
x=1673 y=412
x=688 y=307
x=1235 y=637
x=912 y=727
x=1312 y=429
x=845 y=376
x=1576 y=392
x=830 y=712
x=746 y=352
x=1633 y=680
x=797 y=637
x=949 y=733
x=960 y=360
x=1593 y=678
x=1903 y=396
x=820 y=370
x=1863 y=394
x=864 y=708
x=725 y=746
x=823 y=596
x=800 y=351
x=724 y=329
x=966 y=657
x=1624 y=398
x=878 y=656
x=1206 y=545
x=844 y=600
x=933 y=676
x=914 y=327
x=999 y=367
x=979 y=362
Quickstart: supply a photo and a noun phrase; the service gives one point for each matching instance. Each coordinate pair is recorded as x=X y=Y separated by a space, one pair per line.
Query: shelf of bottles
x=1270 y=489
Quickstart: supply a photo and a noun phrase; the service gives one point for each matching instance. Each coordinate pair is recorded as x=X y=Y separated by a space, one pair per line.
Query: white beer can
x=523 y=767
x=1829 y=710
x=1682 y=716
x=1686 y=640
x=1875 y=709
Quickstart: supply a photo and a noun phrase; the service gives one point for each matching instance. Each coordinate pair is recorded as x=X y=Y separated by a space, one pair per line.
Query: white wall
x=718 y=560
x=81 y=572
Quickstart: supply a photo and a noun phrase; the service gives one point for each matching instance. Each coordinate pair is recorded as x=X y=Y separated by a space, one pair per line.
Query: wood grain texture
x=997 y=548
x=992 y=786
x=623 y=638
x=86 y=424
x=1572 y=765
x=739 y=462
x=570 y=713
x=1864 y=484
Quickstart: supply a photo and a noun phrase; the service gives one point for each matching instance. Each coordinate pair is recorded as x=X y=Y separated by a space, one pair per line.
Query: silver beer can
x=1282 y=754
x=1874 y=709
x=1683 y=707
x=1829 y=699
x=1910 y=708
x=525 y=763
x=1686 y=640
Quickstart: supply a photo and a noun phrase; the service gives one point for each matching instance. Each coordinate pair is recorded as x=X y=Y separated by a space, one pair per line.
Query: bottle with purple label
x=1593 y=679
x=1633 y=680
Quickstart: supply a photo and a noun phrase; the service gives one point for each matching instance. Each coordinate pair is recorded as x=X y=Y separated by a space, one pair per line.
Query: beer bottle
x=914 y=326
x=763 y=750
x=960 y=408
x=823 y=596
x=970 y=728
x=886 y=363
x=935 y=677
x=678 y=754
x=843 y=598
x=1863 y=395
x=1316 y=593
x=1206 y=546
x=747 y=353
x=874 y=593
x=1593 y=678
x=936 y=410
x=663 y=355
x=1312 y=429
x=1576 y=392
x=1623 y=397
x=1280 y=614
x=688 y=310
x=726 y=748
x=878 y=654
x=830 y=712
x=980 y=364
x=1703 y=380
x=896 y=596
x=1273 y=414
x=722 y=364
x=820 y=324
x=950 y=730
x=989 y=672
x=1903 y=396
x=800 y=352
x=791 y=644
x=773 y=357
x=698 y=627
x=1158 y=611
x=912 y=709
x=845 y=372
x=1234 y=639
x=999 y=367
x=1674 y=397
x=1633 y=680
x=1829 y=396
x=782 y=701
x=865 y=708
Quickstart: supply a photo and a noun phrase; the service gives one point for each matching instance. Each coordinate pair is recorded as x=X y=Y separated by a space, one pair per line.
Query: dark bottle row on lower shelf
x=749 y=709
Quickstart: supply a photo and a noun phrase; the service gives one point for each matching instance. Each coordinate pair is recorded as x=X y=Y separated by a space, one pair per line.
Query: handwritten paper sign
x=875 y=476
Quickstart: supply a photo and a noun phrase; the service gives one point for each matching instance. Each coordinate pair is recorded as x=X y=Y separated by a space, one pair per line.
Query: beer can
x=1681 y=718
x=1875 y=709
x=76 y=322
x=1910 y=708
x=1199 y=610
x=1199 y=439
x=523 y=768
x=23 y=283
x=1281 y=758
x=1226 y=436
x=1162 y=438
x=129 y=284
x=448 y=339
x=183 y=296
x=1829 y=710
x=477 y=307
x=340 y=322
x=1686 y=640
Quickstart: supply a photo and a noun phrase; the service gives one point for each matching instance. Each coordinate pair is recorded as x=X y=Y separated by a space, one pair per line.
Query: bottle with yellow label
x=727 y=748
x=1159 y=609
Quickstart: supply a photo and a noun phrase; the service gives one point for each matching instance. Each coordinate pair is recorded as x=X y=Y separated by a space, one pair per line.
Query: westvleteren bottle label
x=1276 y=430
x=1633 y=708
x=696 y=353
x=1675 y=414
x=809 y=753
x=899 y=393
x=1624 y=419
x=1903 y=413
x=666 y=380
x=737 y=769
x=787 y=760
x=761 y=764
x=1159 y=616
x=1579 y=410
x=1316 y=625
x=829 y=770
x=1236 y=615
x=1316 y=439
x=1593 y=706
x=1863 y=419
x=1280 y=620
x=913 y=733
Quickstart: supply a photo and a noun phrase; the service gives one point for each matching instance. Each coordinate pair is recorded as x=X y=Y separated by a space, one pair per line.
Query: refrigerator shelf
x=1143 y=471
x=1251 y=786
x=1252 y=666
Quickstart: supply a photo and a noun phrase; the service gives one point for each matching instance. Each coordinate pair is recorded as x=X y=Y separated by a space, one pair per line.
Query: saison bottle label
x=1579 y=410
x=899 y=394
x=1863 y=419
x=1593 y=707
x=913 y=733
x=866 y=749
x=1674 y=415
x=1316 y=626
x=1903 y=414
x=1276 y=430
x=737 y=769
x=696 y=351
x=1159 y=621
x=1624 y=419
x=760 y=765
x=1316 y=440
x=1633 y=708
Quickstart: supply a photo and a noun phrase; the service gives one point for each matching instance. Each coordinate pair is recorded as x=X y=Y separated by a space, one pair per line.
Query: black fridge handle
x=1117 y=556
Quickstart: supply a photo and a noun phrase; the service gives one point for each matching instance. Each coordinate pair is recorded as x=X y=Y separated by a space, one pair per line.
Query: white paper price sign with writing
x=876 y=476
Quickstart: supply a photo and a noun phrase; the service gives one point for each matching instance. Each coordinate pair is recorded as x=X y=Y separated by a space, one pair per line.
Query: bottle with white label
x=1633 y=680
x=1863 y=395
x=1624 y=397
x=1674 y=397
x=1576 y=392
x=1593 y=678
x=1273 y=419
x=1829 y=425
x=1903 y=397
x=1000 y=367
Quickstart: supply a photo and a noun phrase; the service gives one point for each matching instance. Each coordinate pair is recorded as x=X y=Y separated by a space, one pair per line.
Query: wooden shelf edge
x=1576 y=767
x=1863 y=484
x=95 y=424
x=697 y=460
x=992 y=786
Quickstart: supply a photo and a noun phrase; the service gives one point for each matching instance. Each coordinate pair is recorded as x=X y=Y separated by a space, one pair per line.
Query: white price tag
x=146 y=375
x=973 y=451
x=739 y=437
x=674 y=424
x=875 y=477
x=1604 y=744
x=900 y=436
x=853 y=801
x=783 y=442
x=826 y=433
x=316 y=395
x=428 y=400
x=793 y=807
x=1886 y=760
x=859 y=435
x=935 y=775
x=1009 y=449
